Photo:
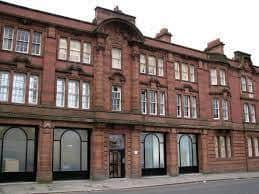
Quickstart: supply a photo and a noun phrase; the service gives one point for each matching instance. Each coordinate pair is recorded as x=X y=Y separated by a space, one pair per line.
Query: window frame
x=23 y=41
x=214 y=108
x=213 y=77
x=74 y=50
x=12 y=39
x=36 y=43
x=223 y=152
x=160 y=67
x=119 y=59
x=117 y=99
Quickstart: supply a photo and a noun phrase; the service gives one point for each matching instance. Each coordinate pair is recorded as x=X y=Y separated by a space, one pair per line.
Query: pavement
x=236 y=186
x=116 y=184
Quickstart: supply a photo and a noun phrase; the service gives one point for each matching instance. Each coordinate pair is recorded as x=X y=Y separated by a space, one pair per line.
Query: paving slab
x=115 y=184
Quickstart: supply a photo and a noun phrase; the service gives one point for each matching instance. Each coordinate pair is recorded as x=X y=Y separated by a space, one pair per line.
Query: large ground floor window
x=153 y=154
x=187 y=153
x=70 y=153
x=17 y=153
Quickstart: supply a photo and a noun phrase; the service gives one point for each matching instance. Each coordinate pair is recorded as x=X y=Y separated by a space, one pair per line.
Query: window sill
x=73 y=62
x=21 y=53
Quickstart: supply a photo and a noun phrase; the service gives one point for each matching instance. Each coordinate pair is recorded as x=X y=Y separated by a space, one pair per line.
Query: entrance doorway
x=187 y=153
x=17 y=153
x=116 y=156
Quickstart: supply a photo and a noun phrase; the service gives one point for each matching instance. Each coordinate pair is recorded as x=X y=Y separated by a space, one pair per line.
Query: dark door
x=187 y=153
x=18 y=153
x=117 y=161
x=116 y=156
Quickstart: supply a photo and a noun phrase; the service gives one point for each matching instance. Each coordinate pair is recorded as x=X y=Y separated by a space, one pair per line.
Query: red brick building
x=99 y=99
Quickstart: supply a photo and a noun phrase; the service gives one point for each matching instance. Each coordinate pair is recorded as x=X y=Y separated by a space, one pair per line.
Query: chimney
x=164 y=35
x=102 y=14
x=215 y=46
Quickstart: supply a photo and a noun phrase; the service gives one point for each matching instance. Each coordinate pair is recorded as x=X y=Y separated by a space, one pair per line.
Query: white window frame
x=213 y=77
x=185 y=72
x=193 y=107
x=62 y=49
x=73 y=94
x=75 y=51
x=178 y=106
x=36 y=43
x=252 y=113
x=87 y=51
x=60 y=92
x=250 y=85
x=256 y=146
x=243 y=84
x=162 y=103
x=225 y=108
x=152 y=102
x=116 y=58
x=22 y=40
x=192 y=73
x=249 y=146
x=116 y=98
x=246 y=113
x=16 y=89
x=151 y=65
x=86 y=95
x=4 y=86
x=7 y=38
x=177 y=71
x=143 y=102
x=215 y=109
x=186 y=106
x=142 y=64
x=222 y=77
x=160 y=67
x=33 y=89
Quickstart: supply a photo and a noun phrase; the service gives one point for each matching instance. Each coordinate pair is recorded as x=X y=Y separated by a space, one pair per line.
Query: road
x=244 y=186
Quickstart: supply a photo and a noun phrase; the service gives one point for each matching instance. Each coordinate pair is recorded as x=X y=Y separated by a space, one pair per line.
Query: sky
x=192 y=23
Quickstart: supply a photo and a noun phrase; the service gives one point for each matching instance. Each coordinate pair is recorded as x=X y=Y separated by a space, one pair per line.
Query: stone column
x=49 y=61
x=135 y=153
x=135 y=93
x=44 y=162
x=172 y=153
x=98 y=73
x=203 y=147
x=98 y=152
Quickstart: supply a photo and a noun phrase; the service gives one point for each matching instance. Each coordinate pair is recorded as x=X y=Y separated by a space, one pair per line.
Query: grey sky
x=192 y=23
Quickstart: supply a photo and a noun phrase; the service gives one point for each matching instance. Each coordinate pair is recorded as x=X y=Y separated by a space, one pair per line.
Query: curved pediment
x=117 y=78
x=127 y=27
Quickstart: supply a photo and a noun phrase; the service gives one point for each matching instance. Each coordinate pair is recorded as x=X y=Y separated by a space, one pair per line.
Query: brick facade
x=114 y=29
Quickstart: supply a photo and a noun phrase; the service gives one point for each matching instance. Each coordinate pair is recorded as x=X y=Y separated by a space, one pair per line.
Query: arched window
x=152 y=150
x=14 y=150
x=187 y=153
x=17 y=146
x=70 y=153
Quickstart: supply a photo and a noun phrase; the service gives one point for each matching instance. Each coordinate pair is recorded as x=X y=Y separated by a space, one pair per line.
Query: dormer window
x=247 y=86
x=218 y=77
x=222 y=77
x=151 y=65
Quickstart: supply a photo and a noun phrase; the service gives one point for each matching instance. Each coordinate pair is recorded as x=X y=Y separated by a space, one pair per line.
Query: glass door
x=116 y=156
x=187 y=153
